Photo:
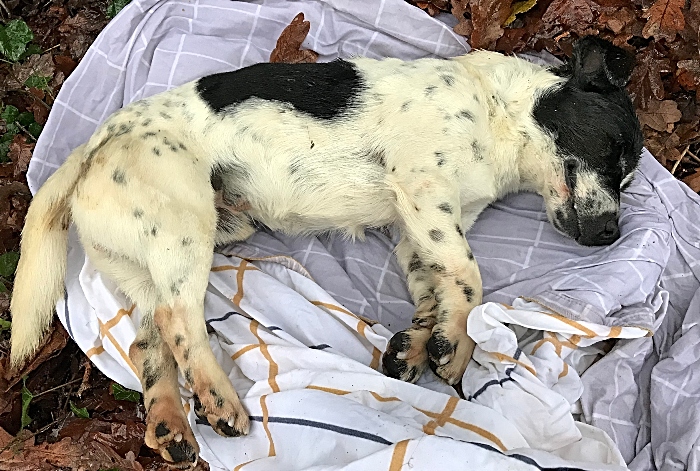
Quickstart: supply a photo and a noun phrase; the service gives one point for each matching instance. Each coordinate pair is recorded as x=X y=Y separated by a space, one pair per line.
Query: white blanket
x=293 y=320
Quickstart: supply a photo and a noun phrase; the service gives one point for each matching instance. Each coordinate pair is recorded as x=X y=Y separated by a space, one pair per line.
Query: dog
x=347 y=145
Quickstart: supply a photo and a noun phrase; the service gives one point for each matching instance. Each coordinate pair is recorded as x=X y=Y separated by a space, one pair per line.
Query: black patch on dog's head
x=593 y=123
x=324 y=90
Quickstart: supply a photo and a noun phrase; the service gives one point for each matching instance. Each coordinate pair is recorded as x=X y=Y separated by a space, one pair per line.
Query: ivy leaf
x=8 y=264
x=35 y=129
x=115 y=6
x=27 y=397
x=120 y=393
x=81 y=412
x=37 y=81
x=14 y=38
x=9 y=114
x=4 y=325
x=31 y=49
x=25 y=119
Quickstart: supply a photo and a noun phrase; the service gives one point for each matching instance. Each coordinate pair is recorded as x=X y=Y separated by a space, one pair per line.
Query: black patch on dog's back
x=323 y=91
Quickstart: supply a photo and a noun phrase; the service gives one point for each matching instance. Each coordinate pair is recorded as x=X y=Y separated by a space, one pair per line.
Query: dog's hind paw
x=169 y=433
x=406 y=357
x=449 y=352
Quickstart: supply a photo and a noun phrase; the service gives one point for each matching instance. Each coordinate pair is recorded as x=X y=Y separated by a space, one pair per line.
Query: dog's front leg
x=429 y=209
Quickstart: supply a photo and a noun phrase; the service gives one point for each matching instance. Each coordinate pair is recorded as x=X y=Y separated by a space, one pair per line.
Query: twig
x=5 y=7
x=33 y=434
x=85 y=384
x=26 y=130
x=57 y=387
x=694 y=157
x=678 y=162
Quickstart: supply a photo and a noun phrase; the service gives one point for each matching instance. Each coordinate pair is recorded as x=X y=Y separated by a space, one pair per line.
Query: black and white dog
x=345 y=146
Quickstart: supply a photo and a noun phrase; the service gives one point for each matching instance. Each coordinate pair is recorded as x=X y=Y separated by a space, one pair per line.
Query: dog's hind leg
x=182 y=283
x=167 y=428
x=429 y=209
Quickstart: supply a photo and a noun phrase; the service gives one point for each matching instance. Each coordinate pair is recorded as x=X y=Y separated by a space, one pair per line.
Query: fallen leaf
x=20 y=153
x=288 y=48
x=645 y=82
x=488 y=18
x=659 y=115
x=462 y=11
x=693 y=181
x=617 y=20
x=36 y=66
x=575 y=15
x=664 y=19
x=688 y=74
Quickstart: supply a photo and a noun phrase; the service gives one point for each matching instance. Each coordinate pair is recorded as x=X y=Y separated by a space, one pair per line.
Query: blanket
x=566 y=373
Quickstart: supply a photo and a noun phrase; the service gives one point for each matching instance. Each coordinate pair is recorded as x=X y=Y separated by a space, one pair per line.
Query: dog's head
x=598 y=139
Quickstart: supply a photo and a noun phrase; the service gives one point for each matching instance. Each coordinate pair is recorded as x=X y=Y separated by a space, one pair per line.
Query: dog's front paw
x=169 y=433
x=226 y=415
x=449 y=351
x=406 y=357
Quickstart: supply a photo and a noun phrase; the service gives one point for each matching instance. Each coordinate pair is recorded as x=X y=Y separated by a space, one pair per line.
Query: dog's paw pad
x=449 y=358
x=227 y=418
x=405 y=357
x=174 y=441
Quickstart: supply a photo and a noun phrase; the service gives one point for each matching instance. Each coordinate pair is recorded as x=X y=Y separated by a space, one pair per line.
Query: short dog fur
x=307 y=148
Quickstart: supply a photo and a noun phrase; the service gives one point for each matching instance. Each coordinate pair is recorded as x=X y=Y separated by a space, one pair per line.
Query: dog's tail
x=42 y=264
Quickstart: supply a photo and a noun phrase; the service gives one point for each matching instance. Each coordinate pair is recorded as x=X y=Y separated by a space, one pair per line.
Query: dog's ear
x=598 y=65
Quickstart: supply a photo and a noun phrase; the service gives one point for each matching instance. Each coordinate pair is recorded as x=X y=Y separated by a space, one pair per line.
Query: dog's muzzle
x=599 y=230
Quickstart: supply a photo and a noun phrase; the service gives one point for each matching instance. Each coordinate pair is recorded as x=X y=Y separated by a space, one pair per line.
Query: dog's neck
x=511 y=86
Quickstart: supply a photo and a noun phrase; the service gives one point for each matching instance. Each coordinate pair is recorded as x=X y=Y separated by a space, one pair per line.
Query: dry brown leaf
x=20 y=153
x=288 y=48
x=617 y=20
x=688 y=74
x=645 y=82
x=664 y=19
x=488 y=18
x=576 y=15
x=39 y=65
x=693 y=181
x=660 y=115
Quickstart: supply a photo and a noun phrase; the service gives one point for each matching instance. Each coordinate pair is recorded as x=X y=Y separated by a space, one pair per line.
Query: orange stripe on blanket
x=274 y=368
x=442 y=417
x=398 y=455
x=243 y=350
x=479 y=431
x=338 y=392
x=106 y=333
x=95 y=351
x=263 y=406
x=509 y=359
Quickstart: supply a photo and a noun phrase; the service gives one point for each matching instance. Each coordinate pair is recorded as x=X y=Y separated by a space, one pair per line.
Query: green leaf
x=120 y=393
x=37 y=81
x=35 y=129
x=8 y=264
x=14 y=38
x=26 y=399
x=31 y=49
x=25 y=119
x=115 y=6
x=81 y=412
x=9 y=114
x=4 y=150
x=4 y=325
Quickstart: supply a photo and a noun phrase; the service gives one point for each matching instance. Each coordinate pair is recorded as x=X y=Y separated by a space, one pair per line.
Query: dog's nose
x=602 y=230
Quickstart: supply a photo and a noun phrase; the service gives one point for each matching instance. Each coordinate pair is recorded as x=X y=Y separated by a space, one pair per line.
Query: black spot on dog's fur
x=124 y=129
x=440 y=158
x=150 y=404
x=448 y=79
x=154 y=231
x=477 y=151
x=294 y=167
x=186 y=241
x=321 y=90
x=178 y=340
x=415 y=263
x=470 y=255
x=436 y=235
x=468 y=291
x=165 y=115
x=437 y=268
x=190 y=379
x=406 y=105
x=146 y=122
x=186 y=354
x=138 y=213
x=141 y=344
x=445 y=208
x=156 y=151
x=465 y=114
x=430 y=90
x=150 y=375
x=181 y=146
x=459 y=230
x=148 y=134
x=119 y=177
x=312 y=145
